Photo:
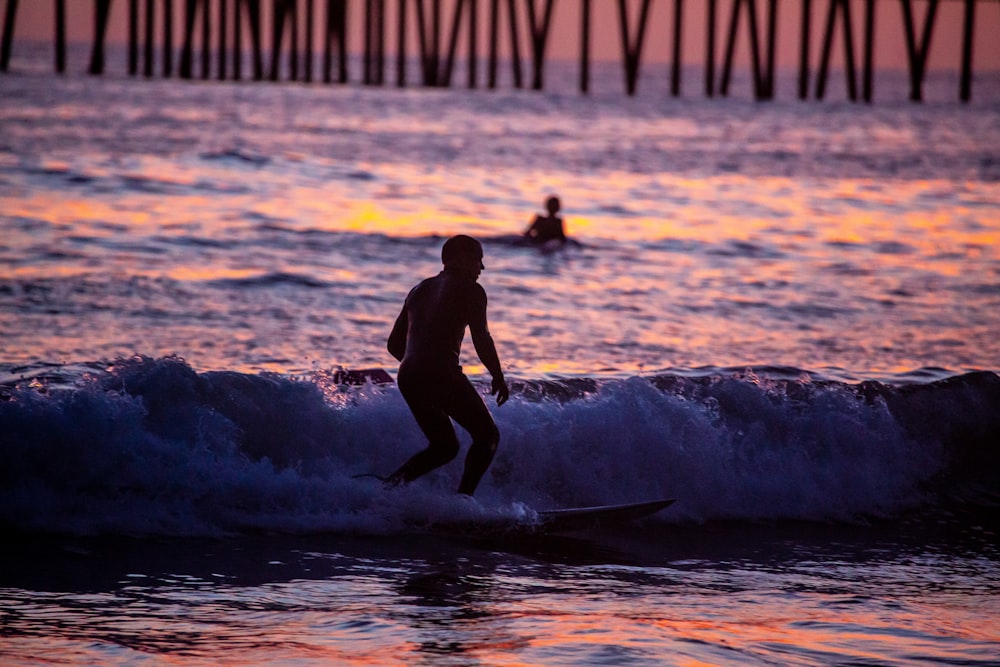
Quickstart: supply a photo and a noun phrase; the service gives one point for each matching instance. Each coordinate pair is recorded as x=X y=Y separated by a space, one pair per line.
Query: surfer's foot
x=393 y=480
x=381 y=478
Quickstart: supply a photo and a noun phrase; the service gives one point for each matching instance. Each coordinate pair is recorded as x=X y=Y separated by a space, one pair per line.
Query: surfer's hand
x=500 y=390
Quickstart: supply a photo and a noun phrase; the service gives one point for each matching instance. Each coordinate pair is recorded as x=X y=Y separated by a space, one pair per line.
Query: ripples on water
x=764 y=595
x=278 y=227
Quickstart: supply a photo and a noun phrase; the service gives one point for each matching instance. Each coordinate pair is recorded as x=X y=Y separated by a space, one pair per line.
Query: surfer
x=427 y=339
x=547 y=228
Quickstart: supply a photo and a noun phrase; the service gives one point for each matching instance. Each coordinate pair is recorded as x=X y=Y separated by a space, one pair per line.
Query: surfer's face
x=471 y=263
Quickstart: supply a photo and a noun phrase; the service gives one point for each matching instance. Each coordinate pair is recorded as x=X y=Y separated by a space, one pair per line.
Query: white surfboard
x=555 y=521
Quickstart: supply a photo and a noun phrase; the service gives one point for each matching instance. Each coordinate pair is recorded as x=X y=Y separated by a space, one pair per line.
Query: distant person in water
x=427 y=339
x=547 y=228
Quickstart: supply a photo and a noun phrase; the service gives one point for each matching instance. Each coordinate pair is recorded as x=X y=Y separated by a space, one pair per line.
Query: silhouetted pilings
x=295 y=19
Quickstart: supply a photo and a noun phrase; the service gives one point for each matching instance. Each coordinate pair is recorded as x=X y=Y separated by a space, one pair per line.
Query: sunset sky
x=35 y=21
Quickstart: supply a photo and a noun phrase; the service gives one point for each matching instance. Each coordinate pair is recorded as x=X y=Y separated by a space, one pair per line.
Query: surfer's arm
x=485 y=347
x=532 y=230
x=397 y=338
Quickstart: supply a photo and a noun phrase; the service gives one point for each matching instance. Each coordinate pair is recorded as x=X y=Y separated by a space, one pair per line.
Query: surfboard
x=553 y=521
x=550 y=521
x=603 y=516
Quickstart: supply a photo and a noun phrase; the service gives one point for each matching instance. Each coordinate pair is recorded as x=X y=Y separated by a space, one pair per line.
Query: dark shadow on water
x=96 y=564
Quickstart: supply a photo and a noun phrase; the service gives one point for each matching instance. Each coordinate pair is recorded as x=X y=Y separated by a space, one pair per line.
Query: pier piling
x=60 y=35
x=918 y=52
x=101 y=14
x=515 y=49
x=539 y=39
x=727 y=65
x=675 y=67
x=295 y=25
x=867 y=88
x=965 y=86
x=8 y=34
x=632 y=49
x=843 y=9
x=336 y=30
x=710 y=26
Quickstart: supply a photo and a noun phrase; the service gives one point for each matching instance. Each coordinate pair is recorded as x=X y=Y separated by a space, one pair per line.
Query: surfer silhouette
x=549 y=227
x=427 y=339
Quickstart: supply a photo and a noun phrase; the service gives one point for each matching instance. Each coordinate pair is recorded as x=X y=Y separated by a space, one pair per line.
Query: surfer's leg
x=478 y=460
x=468 y=409
x=442 y=445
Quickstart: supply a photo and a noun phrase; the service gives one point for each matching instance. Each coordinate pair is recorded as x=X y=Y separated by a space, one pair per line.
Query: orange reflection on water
x=56 y=211
x=207 y=272
x=700 y=632
x=673 y=270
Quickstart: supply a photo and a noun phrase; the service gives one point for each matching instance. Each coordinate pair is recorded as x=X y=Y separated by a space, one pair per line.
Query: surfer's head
x=463 y=253
x=552 y=205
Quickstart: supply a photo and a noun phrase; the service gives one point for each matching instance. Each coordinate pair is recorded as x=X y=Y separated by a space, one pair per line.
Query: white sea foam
x=154 y=448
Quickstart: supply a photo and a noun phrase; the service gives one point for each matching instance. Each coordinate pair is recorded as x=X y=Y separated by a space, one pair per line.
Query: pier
x=211 y=39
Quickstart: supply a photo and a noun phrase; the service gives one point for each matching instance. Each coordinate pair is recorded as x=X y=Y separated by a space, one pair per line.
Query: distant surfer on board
x=547 y=230
x=427 y=339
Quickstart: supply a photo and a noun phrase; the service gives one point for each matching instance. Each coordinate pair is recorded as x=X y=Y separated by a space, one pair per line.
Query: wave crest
x=151 y=446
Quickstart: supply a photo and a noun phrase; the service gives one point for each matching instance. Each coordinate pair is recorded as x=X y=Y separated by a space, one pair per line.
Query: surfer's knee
x=487 y=439
x=444 y=449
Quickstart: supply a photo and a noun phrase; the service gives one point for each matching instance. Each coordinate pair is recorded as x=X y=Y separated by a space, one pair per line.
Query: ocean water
x=783 y=315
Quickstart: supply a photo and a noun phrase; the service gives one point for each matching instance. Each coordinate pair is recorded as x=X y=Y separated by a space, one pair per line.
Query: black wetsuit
x=545 y=228
x=427 y=340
